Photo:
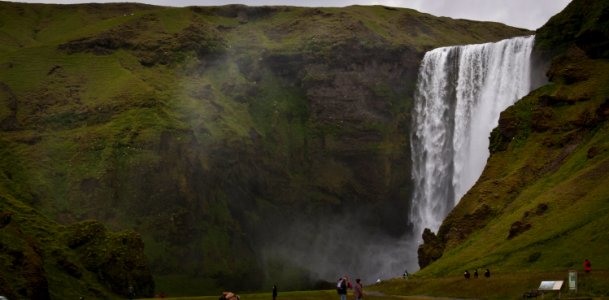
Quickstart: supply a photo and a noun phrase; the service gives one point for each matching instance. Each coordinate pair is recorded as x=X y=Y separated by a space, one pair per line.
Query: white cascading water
x=460 y=94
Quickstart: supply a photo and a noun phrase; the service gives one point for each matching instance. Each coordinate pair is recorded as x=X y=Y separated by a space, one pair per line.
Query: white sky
x=530 y=14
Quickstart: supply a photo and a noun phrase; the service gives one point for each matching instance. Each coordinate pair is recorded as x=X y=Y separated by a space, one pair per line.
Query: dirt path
x=380 y=294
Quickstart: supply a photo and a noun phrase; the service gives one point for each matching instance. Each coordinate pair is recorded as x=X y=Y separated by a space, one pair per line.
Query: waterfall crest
x=460 y=94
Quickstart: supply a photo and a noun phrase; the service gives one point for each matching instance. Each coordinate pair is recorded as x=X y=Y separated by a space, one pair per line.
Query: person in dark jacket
x=341 y=288
x=466 y=274
x=487 y=273
x=274 y=291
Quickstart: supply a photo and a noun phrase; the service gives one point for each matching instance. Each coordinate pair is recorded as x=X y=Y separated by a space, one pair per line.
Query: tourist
x=229 y=296
x=358 y=290
x=341 y=288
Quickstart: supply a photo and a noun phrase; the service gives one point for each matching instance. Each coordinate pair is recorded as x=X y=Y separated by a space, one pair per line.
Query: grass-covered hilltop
x=245 y=145
x=542 y=202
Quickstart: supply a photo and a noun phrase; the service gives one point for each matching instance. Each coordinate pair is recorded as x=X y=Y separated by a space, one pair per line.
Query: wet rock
x=503 y=134
x=431 y=249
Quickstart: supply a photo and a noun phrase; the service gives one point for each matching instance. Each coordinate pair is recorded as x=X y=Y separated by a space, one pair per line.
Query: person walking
x=274 y=291
x=476 y=274
x=466 y=274
x=487 y=274
x=358 y=290
x=587 y=266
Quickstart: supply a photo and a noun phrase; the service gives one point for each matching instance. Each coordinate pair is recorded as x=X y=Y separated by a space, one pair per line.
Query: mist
x=329 y=248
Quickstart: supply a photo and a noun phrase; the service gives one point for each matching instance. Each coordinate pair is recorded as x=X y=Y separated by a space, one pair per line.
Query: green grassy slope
x=197 y=127
x=508 y=285
x=542 y=202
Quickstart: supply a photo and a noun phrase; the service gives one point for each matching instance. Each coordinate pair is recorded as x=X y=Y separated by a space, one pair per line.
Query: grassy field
x=499 y=286
x=297 y=295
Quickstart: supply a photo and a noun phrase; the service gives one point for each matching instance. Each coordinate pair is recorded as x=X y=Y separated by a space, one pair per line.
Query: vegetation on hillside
x=229 y=137
x=40 y=259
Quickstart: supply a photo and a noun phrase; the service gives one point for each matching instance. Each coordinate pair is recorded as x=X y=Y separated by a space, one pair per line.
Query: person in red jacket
x=587 y=266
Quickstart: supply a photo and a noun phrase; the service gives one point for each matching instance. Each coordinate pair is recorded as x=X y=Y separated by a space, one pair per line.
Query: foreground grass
x=499 y=286
x=298 y=295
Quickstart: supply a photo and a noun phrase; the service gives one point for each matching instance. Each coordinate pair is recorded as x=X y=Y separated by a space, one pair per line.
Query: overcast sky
x=529 y=14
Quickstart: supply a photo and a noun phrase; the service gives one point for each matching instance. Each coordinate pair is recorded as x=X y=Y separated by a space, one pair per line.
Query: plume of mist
x=332 y=247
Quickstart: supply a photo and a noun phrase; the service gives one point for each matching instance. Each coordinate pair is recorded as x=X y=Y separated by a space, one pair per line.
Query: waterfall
x=460 y=93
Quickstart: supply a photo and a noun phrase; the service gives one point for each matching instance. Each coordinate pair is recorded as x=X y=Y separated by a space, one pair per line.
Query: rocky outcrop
x=431 y=249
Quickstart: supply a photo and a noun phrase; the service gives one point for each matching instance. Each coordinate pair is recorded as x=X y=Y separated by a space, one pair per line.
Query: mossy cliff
x=44 y=260
x=229 y=137
x=542 y=202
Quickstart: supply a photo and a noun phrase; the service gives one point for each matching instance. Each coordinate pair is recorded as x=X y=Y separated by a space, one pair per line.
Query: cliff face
x=229 y=137
x=541 y=202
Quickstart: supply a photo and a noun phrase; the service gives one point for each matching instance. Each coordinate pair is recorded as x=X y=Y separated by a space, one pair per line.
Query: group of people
x=487 y=273
x=343 y=285
x=467 y=275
